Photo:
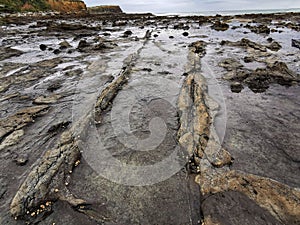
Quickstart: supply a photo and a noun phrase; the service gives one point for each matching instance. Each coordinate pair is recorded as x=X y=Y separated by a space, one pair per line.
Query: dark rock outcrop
x=261 y=29
x=260 y=79
x=198 y=47
x=274 y=46
x=296 y=43
x=246 y=43
x=219 y=26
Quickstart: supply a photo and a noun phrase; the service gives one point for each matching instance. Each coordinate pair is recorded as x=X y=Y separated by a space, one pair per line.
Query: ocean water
x=230 y=12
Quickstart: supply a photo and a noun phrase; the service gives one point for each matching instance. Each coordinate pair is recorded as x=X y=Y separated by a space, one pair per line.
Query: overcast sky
x=165 y=6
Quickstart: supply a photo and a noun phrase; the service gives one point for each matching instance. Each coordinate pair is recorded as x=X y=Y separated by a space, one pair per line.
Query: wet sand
x=138 y=119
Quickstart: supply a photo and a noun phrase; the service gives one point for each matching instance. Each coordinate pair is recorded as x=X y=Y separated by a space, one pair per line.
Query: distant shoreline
x=119 y=14
x=231 y=12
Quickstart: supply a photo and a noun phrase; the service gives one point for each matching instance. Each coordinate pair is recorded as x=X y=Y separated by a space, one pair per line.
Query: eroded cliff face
x=19 y=5
x=67 y=5
x=43 y=5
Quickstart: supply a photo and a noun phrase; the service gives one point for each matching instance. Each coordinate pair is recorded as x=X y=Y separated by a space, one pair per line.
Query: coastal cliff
x=105 y=9
x=42 y=5
x=67 y=5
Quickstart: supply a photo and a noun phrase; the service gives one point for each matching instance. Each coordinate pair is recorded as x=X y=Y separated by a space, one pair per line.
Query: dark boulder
x=275 y=46
x=236 y=87
x=219 y=26
x=185 y=34
x=43 y=47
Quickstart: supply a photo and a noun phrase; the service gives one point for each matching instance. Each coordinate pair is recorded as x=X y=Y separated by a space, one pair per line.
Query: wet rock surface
x=215 y=116
x=217 y=207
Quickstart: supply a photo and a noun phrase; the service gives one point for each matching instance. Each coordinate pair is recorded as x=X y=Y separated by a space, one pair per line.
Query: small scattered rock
x=171 y=37
x=83 y=44
x=55 y=86
x=185 y=34
x=127 y=33
x=258 y=84
x=57 y=128
x=230 y=64
x=248 y=59
x=3 y=187
x=22 y=159
x=181 y=26
x=236 y=87
x=275 y=46
x=43 y=47
x=164 y=72
x=64 y=45
x=100 y=46
x=223 y=42
x=119 y=23
x=147 y=69
x=219 y=26
x=261 y=29
x=73 y=73
x=198 y=47
x=106 y=34
x=56 y=51
x=296 y=43
x=223 y=157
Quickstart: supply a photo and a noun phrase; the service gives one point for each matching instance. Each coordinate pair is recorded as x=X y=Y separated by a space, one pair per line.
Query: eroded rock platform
x=138 y=119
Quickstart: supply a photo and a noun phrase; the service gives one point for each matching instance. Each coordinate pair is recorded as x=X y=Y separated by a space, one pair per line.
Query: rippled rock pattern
x=138 y=119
